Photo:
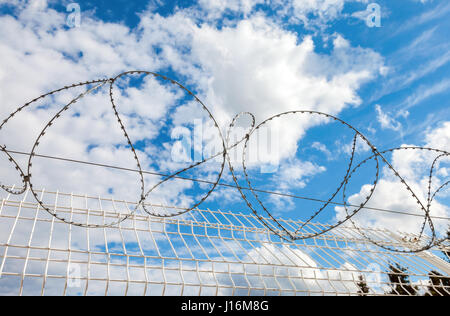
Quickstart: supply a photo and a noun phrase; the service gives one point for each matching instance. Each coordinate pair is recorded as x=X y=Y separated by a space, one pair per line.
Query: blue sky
x=389 y=82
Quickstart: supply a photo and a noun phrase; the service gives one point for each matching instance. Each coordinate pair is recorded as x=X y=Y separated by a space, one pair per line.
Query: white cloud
x=322 y=148
x=437 y=12
x=293 y=174
x=414 y=166
x=324 y=9
x=41 y=55
x=263 y=69
x=425 y=92
x=425 y=54
x=216 y=8
x=440 y=137
x=386 y=120
x=311 y=13
x=361 y=147
x=254 y=65
x=423 y=1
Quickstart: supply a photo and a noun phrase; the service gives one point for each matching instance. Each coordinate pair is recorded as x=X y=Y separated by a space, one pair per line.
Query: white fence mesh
x=200 y=253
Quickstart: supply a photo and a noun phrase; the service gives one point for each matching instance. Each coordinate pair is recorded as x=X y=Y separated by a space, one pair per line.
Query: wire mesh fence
x=203 y=252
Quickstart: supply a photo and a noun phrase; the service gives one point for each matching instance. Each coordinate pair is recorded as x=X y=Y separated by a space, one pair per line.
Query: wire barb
x=275 y=225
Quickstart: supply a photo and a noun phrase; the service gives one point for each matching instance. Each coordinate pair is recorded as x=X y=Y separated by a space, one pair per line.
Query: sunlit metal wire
x=202 y=252
x=273 y=224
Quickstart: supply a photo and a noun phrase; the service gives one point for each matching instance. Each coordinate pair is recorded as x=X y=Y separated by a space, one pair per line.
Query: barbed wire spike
x=275 y=226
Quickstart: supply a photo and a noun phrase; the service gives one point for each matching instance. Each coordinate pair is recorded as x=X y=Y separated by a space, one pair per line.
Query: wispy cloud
x=405 y=67
x=439 y=11
x=386 y=120
x=425 y=92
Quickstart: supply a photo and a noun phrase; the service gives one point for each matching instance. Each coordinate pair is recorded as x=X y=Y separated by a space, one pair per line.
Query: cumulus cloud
x=292 y=175
x=216 y=8
x=414 y=166
x=266 y=70
x=263 y=69
x=313 y=14
x=253 y=64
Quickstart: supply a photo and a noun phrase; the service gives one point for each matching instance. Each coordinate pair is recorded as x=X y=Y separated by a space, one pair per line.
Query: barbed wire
x=222 y=184
x=275 y=226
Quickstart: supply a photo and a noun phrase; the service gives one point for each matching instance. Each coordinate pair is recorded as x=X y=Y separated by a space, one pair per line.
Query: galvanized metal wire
x=202 y=252
x=259 y=209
